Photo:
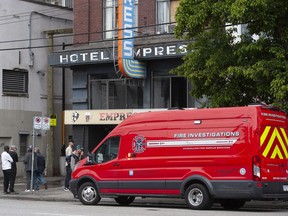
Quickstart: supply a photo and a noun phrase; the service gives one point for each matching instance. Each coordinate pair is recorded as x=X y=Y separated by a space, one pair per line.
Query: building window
x=111 y=18
x=166 y=10
x=173 y=7
x=136 y=31
x=23 y=143
x=67 y=3
x=115 y=94
x=171 y=92
x=110 y=23
x=15 y=82
x=163 y=16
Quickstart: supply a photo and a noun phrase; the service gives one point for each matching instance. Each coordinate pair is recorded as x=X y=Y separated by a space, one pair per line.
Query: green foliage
x=231 y=70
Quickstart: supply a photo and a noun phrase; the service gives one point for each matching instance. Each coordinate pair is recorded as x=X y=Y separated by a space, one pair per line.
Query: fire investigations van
x=223 y=155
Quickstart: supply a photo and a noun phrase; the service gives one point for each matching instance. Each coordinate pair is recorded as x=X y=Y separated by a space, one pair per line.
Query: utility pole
x=50 y=100
x=50 y=110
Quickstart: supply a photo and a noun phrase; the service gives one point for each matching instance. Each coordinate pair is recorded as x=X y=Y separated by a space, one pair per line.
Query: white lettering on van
x=274 y=115
x=180 y=135
x=213 y=134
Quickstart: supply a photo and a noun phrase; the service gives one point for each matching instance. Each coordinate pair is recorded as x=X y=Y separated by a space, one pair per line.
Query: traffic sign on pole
x=41 y=123
x=37 y=123
x=46 y=123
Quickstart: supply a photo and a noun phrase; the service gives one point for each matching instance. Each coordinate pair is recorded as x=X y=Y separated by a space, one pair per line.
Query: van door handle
x=116 y=164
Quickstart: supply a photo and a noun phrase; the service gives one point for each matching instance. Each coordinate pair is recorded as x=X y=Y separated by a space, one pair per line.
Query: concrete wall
x=22 y=25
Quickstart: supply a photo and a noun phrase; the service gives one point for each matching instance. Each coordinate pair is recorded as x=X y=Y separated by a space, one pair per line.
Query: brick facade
x=147 y=16
x=88 y=17
x=81 y=21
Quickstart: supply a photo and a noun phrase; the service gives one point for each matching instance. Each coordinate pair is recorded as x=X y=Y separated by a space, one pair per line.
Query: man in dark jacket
x=14 y=155
x=40 y=171
x=28 y=166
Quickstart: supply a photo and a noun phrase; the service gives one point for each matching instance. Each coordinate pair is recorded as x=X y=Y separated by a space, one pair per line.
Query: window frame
x=108 y=97
x=162 y=25
x=110 y=9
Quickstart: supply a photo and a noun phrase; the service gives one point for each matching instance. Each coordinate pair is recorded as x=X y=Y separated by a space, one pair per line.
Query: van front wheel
x=124 y=200
x=88 y=194
x=197 y=197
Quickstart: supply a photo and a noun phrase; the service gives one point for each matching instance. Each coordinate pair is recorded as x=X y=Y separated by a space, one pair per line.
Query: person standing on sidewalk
x=76 y=156
x=41 y=165
x=14 y=155
x=68 y=152
x=28 y=166
x=6 y=168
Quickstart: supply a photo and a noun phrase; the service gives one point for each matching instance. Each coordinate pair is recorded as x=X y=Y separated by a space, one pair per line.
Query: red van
x=224 y=155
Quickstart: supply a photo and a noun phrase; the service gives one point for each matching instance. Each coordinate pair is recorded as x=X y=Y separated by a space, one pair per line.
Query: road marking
x=56 y=214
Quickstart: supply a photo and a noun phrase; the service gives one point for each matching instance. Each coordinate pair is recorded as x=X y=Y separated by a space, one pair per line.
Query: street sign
x=37 y=123
x=46 y=123
x=53 y=120
x=41 y=123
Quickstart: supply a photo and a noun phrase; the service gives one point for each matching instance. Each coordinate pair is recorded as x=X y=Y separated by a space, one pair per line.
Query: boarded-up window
x=173 y=7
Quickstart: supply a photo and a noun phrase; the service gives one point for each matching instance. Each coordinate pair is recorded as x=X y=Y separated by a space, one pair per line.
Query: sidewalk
x=55 y=192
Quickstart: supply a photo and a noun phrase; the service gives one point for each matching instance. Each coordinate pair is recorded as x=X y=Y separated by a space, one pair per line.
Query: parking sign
x=46 y=123
x=37 y=123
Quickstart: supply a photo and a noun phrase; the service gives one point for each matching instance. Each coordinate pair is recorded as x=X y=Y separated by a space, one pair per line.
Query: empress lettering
x=114 y=116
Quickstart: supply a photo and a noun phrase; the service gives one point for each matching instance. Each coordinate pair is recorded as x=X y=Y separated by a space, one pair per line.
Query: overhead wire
x=69 y=35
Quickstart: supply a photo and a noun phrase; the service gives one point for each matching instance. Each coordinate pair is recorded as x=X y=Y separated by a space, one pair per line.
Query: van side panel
x=237 y=153
x=174 y=151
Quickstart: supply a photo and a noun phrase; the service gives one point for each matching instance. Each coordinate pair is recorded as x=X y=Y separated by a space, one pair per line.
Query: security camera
x=41 y=73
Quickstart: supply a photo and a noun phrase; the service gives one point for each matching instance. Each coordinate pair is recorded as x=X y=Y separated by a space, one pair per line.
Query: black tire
x=88 y=194
x=232 y=204
x=197 y=197
x=124 y=200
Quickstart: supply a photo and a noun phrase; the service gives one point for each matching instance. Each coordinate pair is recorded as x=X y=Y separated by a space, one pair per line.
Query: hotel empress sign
x=80 y=57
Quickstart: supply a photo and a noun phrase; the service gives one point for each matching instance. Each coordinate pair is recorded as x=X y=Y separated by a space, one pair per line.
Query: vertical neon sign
x=128 y=66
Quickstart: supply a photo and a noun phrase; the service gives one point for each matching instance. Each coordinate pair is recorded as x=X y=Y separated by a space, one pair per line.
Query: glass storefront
x=115 y=94
x=166 y=92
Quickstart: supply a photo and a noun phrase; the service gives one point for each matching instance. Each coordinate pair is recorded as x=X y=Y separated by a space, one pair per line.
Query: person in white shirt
x=6 y=168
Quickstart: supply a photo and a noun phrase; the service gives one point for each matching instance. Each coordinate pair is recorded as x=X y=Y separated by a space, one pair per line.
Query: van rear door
x=273 y=154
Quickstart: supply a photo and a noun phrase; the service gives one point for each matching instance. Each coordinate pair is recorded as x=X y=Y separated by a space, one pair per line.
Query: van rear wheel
x=124 y=200
x=88 y=194
x=197 y=197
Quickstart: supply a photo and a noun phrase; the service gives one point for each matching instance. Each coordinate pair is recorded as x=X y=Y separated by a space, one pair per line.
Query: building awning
x=100 y=117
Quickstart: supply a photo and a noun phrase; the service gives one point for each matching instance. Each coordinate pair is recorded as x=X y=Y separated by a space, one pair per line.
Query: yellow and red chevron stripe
x=274 y=143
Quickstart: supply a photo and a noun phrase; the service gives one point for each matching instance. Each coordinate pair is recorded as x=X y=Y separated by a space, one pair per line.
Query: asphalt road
x=10 y=207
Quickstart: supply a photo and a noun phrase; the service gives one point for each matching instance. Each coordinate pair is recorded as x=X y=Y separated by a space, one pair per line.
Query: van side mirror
x=90 y=159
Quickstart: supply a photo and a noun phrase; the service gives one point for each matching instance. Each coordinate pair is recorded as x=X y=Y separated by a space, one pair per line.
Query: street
x=44 y=208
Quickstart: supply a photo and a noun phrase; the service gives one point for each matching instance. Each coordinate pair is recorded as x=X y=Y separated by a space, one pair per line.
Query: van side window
x=108 y=150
